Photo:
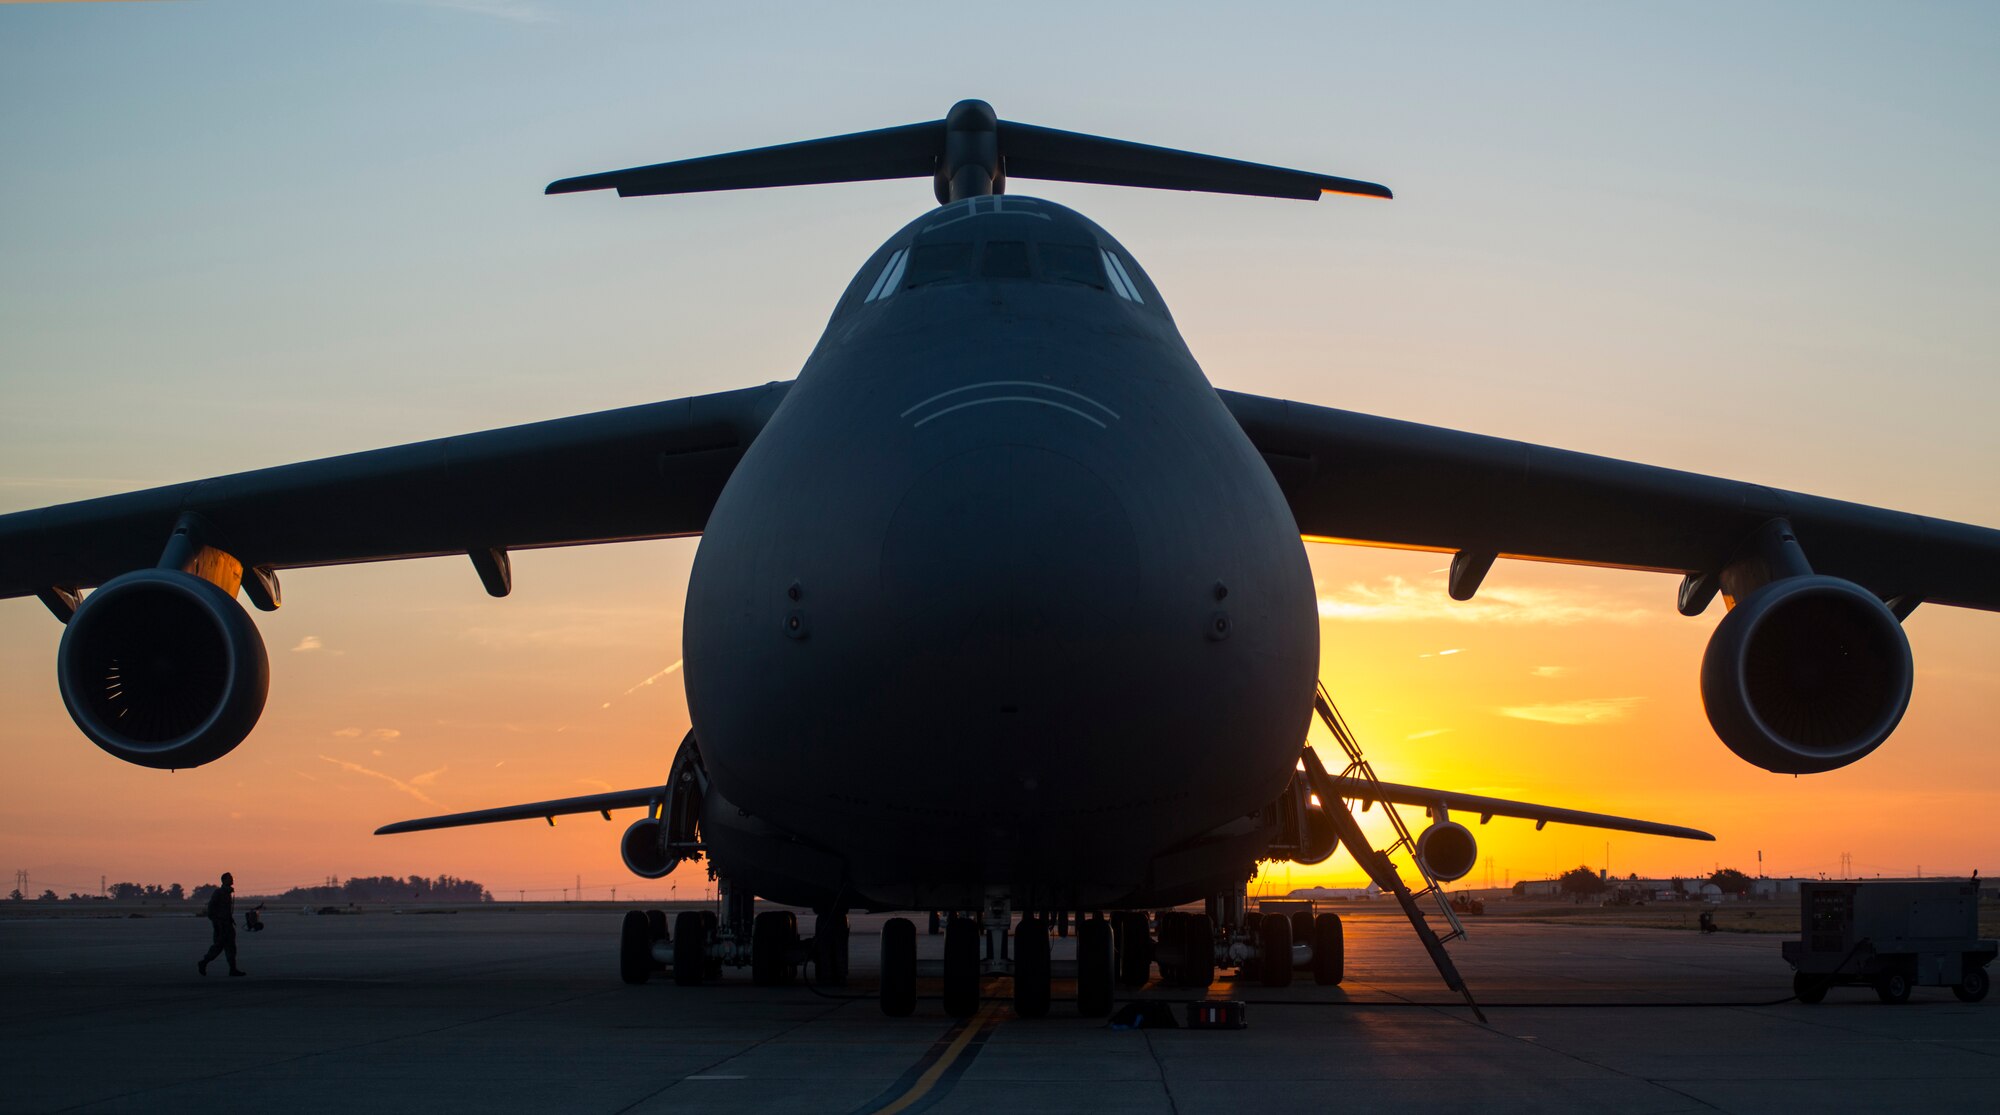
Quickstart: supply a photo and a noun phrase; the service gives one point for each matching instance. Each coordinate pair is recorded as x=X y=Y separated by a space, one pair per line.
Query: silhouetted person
x=222 y=917
x=1707 y=921
x=253 y=921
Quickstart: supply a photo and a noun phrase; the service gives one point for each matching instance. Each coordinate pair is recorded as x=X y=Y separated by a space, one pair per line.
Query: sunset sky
x=1760 y=243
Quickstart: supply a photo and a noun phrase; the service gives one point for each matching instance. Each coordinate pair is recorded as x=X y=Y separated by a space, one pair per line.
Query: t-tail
x=969 y=153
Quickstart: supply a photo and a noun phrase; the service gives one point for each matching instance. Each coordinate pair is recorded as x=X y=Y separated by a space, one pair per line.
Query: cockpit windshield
x=1005 y=239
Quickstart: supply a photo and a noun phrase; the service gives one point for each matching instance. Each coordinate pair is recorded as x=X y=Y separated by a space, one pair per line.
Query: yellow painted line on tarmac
x=976 y=1026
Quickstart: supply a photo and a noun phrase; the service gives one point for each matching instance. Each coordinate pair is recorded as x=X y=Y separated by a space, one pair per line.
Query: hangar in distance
x=998 y=605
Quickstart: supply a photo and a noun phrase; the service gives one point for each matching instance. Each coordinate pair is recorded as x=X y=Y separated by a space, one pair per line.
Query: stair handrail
x=1358 y=766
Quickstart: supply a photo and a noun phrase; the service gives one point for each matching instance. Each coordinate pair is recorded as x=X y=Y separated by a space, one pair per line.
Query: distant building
x=1370 y=891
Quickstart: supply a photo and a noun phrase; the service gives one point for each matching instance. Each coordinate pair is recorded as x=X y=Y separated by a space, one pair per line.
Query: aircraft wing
x=1361 y=479
x=647 y=796
x=1368 y=790
x=650 y=471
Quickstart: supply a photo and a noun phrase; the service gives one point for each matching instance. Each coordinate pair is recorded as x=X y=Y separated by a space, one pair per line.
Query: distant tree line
x=368 y=888
x=389 y=888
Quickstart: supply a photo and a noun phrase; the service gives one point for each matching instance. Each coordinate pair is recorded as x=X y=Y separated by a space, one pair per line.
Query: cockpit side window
x=1121 y=280
x=1071 y=263
x=890 y=280
x=937 y=263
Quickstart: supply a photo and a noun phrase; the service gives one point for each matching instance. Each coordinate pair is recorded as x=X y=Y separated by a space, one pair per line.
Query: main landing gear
x=1272 y=949
x=992 y=944
x=701 y=944
x=1113 y=951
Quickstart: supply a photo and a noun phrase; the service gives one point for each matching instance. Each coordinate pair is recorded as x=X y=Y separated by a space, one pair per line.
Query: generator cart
x=1890 y=936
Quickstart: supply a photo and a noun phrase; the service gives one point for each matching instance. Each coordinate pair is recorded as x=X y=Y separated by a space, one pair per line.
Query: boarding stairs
x=1380 y=867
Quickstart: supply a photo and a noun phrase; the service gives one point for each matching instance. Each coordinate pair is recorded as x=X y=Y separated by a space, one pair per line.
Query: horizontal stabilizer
x=971 y=152
x=1046 y=153
x=910 y=151
x=1363 y=789
x=647 y=796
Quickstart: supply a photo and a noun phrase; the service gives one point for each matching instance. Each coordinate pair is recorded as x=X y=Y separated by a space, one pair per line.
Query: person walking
x=222 y=918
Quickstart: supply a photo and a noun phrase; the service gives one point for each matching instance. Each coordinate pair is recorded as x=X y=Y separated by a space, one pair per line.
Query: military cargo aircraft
x=999 y=606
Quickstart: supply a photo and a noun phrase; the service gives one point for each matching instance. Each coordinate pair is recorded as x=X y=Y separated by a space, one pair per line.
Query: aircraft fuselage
x=1001 y=595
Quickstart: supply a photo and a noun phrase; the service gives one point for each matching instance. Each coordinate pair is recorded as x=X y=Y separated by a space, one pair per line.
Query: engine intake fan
x=1806 y=674
x=644 y=847
x=1447 y=852
x=163 y=669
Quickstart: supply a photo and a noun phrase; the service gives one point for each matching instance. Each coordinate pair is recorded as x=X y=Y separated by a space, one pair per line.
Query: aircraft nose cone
x=1008 y=544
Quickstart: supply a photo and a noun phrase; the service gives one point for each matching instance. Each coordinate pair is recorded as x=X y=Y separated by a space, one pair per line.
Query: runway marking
x=946 y=1061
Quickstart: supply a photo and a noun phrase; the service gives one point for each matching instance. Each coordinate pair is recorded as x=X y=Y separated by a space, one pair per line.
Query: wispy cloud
x=411 y=788
x=1443 y=653
x=648 y=681
x=1427 y=733
x=595 y=783
x=1549 y=671
x=1595 y=710
x=1396 y=600
x=384 y=734
x=308 y=644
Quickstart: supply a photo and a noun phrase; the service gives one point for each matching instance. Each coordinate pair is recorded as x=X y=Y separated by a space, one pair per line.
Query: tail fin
x=971 y=152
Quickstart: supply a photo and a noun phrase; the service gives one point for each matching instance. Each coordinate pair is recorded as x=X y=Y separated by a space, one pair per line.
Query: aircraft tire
x=899 y=967
x=1031 y=968
x=1135 y=952
x=830 y=943
x=635 y=948
x=1274 y=940
x=961 y=967
x=1197 y=950
x=1093 y=968
x=690 y=948
x=1329 y=944
x=772 y=937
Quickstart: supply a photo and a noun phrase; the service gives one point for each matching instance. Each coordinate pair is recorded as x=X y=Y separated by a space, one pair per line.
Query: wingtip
x=1359 y=189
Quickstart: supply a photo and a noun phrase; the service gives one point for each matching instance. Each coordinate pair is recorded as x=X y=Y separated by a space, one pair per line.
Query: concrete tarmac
x=522 y=1009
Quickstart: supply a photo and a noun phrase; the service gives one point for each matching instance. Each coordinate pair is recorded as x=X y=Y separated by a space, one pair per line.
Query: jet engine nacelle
x=1806 y=674
x=644 y=847
x=163 y=669
x=1447 y=851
